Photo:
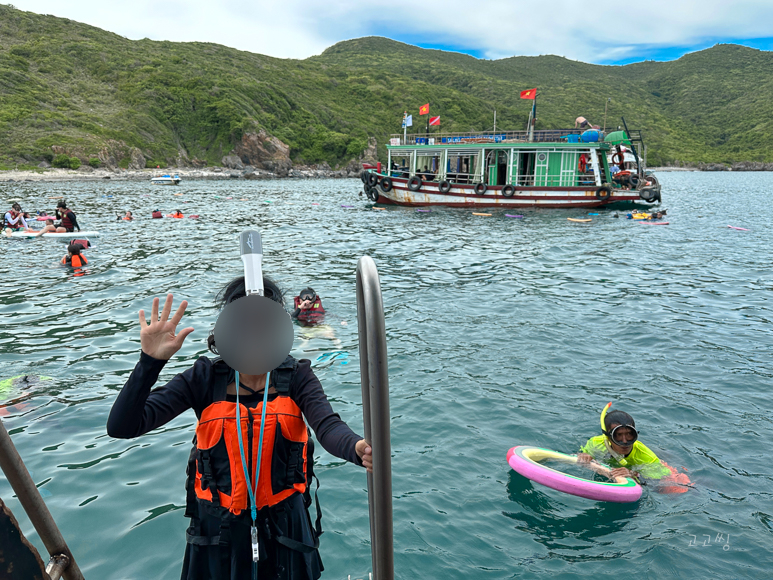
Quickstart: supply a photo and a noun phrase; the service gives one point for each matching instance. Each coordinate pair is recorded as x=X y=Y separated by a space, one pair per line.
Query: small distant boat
x=166 y=180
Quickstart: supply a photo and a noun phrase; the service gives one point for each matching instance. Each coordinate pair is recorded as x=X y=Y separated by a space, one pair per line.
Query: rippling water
x=501 y=332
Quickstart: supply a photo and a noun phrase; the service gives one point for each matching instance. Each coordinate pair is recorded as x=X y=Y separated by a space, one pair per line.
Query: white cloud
x=588 y=31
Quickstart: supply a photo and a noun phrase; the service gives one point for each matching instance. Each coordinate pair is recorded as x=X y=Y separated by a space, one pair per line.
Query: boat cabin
x=502 y=159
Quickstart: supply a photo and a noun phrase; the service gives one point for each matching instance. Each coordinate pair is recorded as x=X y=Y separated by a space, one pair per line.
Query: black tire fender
x=481 y=188
x=372 y=179
x=386 y=184
x=414 y=183
x=508 y=190
x=604 y=192
x=445 y=186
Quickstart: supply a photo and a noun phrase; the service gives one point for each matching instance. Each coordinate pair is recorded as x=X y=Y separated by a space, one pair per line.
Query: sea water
x=500 y=332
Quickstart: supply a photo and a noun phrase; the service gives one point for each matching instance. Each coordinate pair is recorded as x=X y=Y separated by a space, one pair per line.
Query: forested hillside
x=71 y=89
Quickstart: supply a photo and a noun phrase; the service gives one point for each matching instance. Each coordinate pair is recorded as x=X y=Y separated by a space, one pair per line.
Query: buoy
x=243 y=199
x=423 y=210
x=593 y=214
x=737 y=228
x=314 y=204
x=482 y=214
x=513 y=216
x=178 y=194
x=379 y=208
x=347 y=206
x=579 y=220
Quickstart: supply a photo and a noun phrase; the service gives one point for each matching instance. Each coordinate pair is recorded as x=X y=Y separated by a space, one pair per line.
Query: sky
x=595 y=32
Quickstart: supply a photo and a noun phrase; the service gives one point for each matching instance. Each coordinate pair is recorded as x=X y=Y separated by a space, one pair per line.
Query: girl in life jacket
x=74 y=257
x=218 y=540
x=308 y=307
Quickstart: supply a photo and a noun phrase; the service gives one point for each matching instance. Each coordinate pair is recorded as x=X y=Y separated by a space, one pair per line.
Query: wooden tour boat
x=516 y=169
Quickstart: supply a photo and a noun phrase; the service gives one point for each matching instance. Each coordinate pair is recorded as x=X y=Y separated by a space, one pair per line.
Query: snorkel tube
x=604 y=414
x=251 y=249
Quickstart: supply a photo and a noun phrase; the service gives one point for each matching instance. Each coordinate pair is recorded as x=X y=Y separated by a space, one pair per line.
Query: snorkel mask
x=617 y=435
x=254 y=333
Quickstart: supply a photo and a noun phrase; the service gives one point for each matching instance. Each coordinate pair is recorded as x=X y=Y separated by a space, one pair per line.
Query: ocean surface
x=501 y=332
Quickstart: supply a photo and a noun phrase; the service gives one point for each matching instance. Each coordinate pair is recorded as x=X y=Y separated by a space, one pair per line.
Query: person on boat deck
x=620 y=448
x=48 y=228
x=74 y=257
x=581 y=123
x=127 y=217
x=613 y=169
x=68 y=222
x=219 y=537
x=14 y=221
x=308 y=307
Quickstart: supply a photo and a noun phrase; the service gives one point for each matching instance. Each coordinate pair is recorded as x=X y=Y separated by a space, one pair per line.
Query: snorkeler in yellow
x=620 y=448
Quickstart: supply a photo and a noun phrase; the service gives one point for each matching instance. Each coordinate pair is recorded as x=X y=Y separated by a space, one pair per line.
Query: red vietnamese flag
x=424 y=109
x=530 y=94
x=434 y=120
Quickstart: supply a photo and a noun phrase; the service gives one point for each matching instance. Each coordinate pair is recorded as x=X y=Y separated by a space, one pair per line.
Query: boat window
x=460 y=167
x=401 y=165
x=428 y=164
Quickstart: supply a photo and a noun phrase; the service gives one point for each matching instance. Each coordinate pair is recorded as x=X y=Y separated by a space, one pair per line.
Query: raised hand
x=158 y=338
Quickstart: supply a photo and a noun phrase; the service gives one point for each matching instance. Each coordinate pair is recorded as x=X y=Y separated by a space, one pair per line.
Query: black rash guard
x=138 y=409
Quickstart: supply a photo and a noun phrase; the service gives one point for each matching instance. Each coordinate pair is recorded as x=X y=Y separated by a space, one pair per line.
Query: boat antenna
x=633 y=147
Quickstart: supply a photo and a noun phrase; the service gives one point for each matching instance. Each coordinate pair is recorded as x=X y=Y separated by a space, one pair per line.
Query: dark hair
x=235 y=290
x=49 y=219
x=75 y=249
x=61 y=203
x=619 y=417
x=16 y=206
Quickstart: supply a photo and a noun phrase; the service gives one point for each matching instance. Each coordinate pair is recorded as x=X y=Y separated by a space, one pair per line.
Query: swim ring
x=525 y=460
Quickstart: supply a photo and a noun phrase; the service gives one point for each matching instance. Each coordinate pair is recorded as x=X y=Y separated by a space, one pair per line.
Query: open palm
x=158 y=339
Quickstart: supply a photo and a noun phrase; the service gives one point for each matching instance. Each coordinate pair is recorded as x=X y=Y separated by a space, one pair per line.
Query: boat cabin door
x=497 y=167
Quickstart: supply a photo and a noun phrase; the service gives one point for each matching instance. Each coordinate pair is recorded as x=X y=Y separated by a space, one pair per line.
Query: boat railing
x=62 y=563
x=542 y=136
x=374 y=375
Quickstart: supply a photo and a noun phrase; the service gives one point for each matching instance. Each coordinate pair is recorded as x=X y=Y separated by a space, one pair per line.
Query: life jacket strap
x=196 y=540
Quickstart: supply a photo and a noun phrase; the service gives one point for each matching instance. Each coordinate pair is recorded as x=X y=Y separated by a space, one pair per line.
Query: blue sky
x=590 y=32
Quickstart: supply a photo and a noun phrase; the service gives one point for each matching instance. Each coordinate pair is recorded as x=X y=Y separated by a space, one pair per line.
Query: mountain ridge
x=68 y=88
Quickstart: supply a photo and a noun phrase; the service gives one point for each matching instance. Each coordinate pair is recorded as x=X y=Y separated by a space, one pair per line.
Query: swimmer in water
x=620 y=448
x=74 y=257
x=49 y=227
x=128 y=217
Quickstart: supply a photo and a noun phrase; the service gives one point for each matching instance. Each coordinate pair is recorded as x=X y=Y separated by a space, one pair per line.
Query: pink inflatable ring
x=525 y=460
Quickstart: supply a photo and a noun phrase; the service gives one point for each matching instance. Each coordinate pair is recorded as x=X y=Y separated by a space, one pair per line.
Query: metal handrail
x=375 y=411
x=542 y=136
x=62 y=560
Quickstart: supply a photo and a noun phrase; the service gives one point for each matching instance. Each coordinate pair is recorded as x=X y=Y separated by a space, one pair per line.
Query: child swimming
x=620 y=448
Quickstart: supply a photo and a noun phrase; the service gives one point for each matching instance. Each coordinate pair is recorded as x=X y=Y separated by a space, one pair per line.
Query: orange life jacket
x=75 y=261
x=314 y=314
x=219 y=475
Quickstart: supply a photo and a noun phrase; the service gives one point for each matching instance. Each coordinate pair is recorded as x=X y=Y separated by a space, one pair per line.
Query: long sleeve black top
x=138 y=409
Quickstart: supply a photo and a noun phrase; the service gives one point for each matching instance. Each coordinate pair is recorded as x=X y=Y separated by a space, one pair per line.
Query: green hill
x=76 y=90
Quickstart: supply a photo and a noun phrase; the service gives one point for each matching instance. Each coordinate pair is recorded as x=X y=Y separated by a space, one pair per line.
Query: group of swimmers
x=64 y=220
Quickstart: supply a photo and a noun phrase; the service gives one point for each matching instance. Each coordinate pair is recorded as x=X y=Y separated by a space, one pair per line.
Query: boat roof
x=504 y=139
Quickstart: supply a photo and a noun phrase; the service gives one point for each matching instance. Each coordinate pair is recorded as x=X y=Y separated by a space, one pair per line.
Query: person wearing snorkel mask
x=308 y=307
x=620 y=448
x=219 y=496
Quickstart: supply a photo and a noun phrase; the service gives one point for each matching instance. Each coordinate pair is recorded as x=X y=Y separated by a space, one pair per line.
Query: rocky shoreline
x=186 y=173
